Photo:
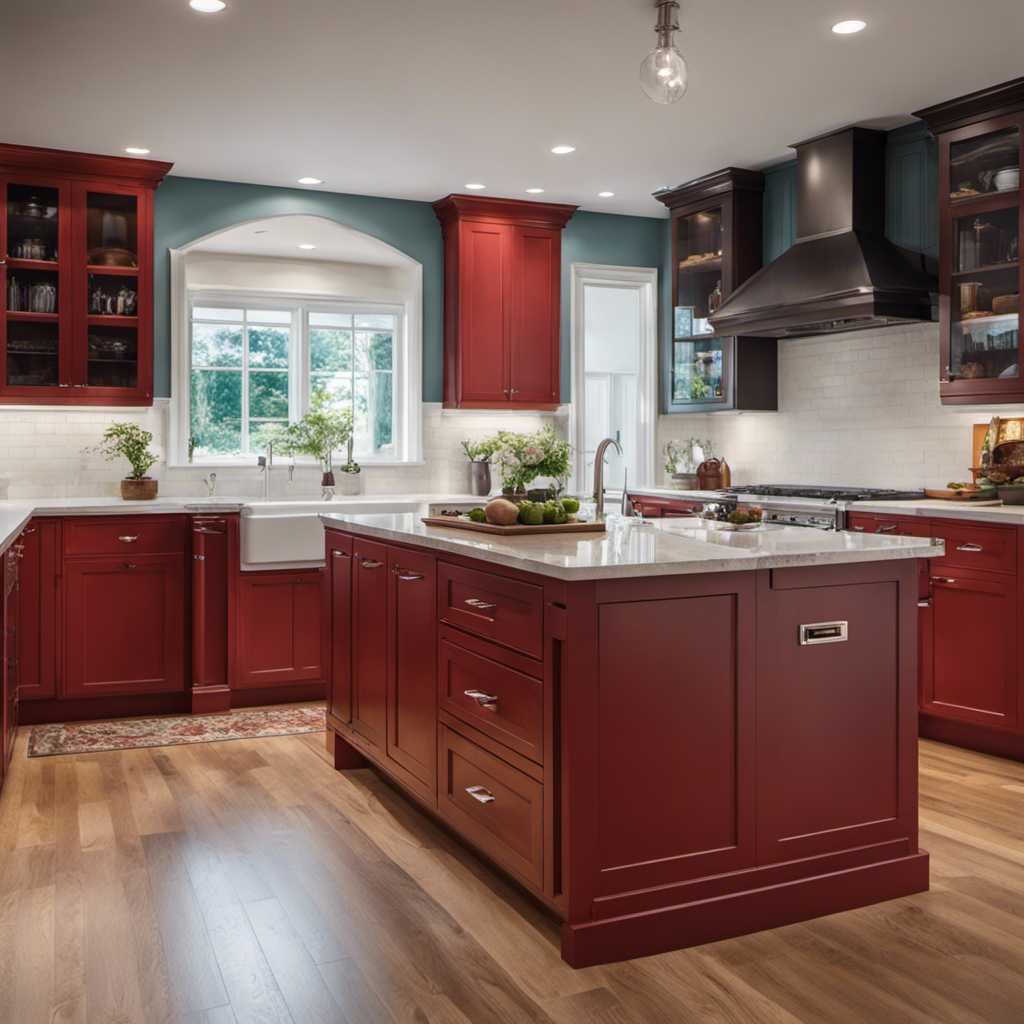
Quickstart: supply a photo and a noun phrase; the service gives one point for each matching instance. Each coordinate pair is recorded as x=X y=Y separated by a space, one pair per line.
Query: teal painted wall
x=189 y=208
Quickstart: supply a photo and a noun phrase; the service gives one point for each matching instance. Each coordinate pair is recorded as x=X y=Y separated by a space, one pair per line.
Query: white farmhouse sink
x=289 y=534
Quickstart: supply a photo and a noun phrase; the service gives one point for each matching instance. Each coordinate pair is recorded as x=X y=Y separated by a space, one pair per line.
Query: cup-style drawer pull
x=485 y=796
x=128 y=538
x=970 y=547
x=408 y=574
x=371 y=563
x=342 y=554
x=480 y=605
x=484 y=699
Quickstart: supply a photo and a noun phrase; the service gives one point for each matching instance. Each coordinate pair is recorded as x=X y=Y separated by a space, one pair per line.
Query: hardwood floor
x=246 y=881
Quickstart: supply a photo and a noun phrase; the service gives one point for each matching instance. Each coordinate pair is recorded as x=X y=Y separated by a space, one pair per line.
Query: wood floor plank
x=186 y=942
x=35 y=820
x=217 y=1015
x=249 y=980
x=33 y=954
x=356 y=999
x=308 y=997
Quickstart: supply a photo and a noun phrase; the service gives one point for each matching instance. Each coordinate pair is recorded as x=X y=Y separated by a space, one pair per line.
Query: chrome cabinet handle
x=408 y=574
x=925 y=603
x=942 y=579
x=63 y=385
x=857 y=529
x=480 y=605
x=970 y=547
x=127 y=565
x=79 y=385
x=888 y=529
x=128 y=538
x=485 y=796
x=484 y=699
x=341 y=554
x=371 y=563
x=199 y=558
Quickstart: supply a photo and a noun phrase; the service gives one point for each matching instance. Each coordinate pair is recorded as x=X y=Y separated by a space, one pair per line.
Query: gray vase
x=480 y=478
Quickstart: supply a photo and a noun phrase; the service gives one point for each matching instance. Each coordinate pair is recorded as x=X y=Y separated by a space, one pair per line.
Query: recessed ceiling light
x=136 y=150
x=311 y=181
x=534 y=191
x=560 y=150
x=306 y=245
x=475 y=185
x=846 y=28
x=207 y=6
x=606 y=195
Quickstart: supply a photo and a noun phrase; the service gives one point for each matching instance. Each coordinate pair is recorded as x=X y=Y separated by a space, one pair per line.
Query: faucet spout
x=266 y=463
x=599 y=471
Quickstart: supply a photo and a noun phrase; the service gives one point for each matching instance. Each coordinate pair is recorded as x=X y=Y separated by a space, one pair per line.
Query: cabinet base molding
x=345 y=756
x=984 y=739
x=662 y=930
x=210 y=700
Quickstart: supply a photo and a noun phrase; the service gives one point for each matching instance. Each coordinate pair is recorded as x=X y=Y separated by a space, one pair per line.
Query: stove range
x=821 y=508
x=826 y=493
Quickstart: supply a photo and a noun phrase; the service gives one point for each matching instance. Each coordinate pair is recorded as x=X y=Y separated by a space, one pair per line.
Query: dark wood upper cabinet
x=716 y=246
x=76 y=271
x=980 y=224
x=502 y=278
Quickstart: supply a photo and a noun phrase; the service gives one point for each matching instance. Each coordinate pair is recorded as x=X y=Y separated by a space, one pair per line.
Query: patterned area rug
x=84 y=737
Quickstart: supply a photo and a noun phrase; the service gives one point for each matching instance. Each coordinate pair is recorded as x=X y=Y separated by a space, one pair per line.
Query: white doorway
x=613 y=326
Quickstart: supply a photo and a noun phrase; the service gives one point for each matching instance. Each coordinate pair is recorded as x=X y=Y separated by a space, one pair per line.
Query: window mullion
x=245 y=382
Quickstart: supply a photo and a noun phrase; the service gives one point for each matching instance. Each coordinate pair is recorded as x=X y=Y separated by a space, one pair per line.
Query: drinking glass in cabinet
x=985 y=164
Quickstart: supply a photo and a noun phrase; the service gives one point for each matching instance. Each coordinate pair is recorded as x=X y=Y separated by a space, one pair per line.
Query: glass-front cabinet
x=979 y=246
x=716 y=245
x=76 y=268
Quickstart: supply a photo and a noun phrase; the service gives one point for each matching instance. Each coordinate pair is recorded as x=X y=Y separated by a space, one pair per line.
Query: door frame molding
x=645 y=281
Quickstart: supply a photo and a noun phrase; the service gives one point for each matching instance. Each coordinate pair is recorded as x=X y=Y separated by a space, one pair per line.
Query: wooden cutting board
x=462 y=523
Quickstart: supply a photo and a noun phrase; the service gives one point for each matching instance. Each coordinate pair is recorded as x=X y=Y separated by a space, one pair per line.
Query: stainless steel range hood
x=842 y=274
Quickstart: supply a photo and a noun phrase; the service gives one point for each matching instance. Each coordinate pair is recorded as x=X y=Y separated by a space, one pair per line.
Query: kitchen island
x=668 y=734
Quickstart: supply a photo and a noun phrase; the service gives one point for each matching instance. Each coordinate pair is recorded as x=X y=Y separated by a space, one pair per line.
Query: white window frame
x=299 y=380
x=408 y=385
x=645 y=281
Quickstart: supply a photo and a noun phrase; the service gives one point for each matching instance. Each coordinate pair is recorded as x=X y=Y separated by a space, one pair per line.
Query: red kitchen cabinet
x=412 y=667
x=370 y=641
x=502 y=304
x=339 y=567
x=10 y=652
x=282 y=631
x=40 y=626
x=124 y=624
x=76 y=270
x=975 y=682
x=214 y=611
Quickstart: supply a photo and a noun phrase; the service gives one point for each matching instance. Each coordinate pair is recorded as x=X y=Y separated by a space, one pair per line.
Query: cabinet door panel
x=412 y=667
x=40 y=631
x=125 y=625
x=282 y=628
x=211 y=582
x=339 y=565
x=534 y=351
x=370 y=640
x=985 y=608
x=484 y=307
x=676 y=772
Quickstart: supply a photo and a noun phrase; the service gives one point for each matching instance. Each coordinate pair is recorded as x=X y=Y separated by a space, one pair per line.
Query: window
x=259 y=361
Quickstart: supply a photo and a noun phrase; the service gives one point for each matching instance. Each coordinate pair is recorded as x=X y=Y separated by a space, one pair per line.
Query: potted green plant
x=479 y=454
x=522 y=458
x=132 y=442
x=319 y=433
x=351 y=480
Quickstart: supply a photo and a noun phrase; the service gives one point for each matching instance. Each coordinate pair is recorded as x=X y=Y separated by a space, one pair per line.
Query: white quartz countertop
x=15 y=513
x=632 y=547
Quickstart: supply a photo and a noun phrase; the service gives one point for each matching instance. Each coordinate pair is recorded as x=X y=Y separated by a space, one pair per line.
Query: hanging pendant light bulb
x=664 y=74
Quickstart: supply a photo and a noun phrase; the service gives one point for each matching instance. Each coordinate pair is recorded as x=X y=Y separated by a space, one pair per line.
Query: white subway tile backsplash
x=855 y=409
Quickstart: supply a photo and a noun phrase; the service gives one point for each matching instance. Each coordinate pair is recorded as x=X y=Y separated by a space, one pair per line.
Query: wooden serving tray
x=946 y=495
x=462 y=523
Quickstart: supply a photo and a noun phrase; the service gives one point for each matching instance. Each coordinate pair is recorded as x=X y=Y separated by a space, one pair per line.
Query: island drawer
x=506 y=705
x=506 y=611
x=970 y=546
x=494 y=805
x=102 y=535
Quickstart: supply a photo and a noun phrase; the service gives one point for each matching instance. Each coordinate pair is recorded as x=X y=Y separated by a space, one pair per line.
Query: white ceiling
x=416 y=99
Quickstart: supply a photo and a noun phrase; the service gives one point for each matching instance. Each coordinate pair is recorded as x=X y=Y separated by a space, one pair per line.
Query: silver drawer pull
x=128 y=538
x=942 y=579
x=408 y=574
x=485 y=796
x=888 y=529
x=371 y=563
x=970 y=547
x=484 y=699
x=342 y=554
x=480 y=605
x=924 y=604
x=127 y=565
x=199 y=558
